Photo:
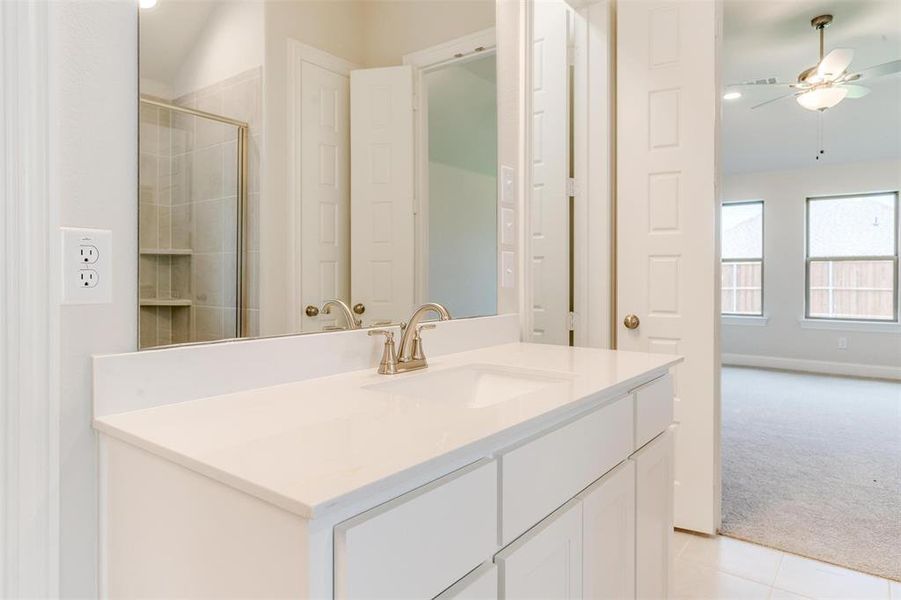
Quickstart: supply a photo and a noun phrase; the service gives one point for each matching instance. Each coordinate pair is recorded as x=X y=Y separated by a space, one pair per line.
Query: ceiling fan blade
x=889 y=68
x=835 y=63
x=776 y=99
x=768 y=82
x=855 y=91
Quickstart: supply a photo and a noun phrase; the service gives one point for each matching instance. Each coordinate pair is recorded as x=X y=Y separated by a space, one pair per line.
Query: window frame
x=893 y=257
x=762 y=260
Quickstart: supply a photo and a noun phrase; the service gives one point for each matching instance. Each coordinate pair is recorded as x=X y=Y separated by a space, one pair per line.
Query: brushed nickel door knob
x=311 y=311
x=359 y=308
x=631 y=321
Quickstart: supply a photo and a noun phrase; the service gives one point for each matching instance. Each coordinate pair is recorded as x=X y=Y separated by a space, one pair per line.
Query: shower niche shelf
x=174 y=302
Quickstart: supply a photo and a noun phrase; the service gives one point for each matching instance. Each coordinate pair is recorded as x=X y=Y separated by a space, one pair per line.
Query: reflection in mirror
x=314 y=165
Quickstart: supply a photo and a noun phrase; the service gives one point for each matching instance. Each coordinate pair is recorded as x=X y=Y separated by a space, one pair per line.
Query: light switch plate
x=508 y=220
x=508 y=269
x=508 y=185
x=87 y=266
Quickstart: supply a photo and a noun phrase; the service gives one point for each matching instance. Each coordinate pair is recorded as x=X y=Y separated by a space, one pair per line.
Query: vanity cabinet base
x=168 y=532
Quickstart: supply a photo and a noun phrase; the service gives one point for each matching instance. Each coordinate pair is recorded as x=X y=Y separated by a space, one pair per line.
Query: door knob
x=631 y=321
x=311 y=311
x=359 y=308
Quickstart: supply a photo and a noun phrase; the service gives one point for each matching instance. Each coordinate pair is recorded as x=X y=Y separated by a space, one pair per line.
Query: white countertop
x=306 y=445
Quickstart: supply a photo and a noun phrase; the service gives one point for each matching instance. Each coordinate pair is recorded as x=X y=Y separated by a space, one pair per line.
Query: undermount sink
x=479 y=386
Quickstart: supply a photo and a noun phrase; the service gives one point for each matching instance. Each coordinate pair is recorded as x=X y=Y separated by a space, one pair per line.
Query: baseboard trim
x=813 y=366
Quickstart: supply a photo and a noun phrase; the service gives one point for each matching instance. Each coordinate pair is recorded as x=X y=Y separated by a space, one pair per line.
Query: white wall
x=783 y=337
x=462 y=178
x=93 y=178
x=229 y=44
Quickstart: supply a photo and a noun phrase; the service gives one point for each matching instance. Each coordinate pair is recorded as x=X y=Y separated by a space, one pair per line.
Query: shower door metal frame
x=241 y=292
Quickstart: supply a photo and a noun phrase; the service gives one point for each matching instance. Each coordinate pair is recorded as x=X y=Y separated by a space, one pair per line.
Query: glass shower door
x=190 y=222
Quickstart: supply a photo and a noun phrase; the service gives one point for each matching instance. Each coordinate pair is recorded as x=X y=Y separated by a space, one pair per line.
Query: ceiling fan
x=828 y=82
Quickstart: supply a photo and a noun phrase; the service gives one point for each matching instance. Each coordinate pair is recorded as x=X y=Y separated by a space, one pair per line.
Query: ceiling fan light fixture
x=822 y=98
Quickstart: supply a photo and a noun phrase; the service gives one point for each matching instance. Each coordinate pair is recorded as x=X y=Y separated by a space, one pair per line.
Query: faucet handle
x=388 y=363
x=418 y=354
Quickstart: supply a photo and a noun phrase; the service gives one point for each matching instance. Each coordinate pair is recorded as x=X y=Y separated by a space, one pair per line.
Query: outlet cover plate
x=74 y=289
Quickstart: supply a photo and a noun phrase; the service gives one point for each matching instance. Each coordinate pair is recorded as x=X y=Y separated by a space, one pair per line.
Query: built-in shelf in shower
x=165 y=302
x=167 y=251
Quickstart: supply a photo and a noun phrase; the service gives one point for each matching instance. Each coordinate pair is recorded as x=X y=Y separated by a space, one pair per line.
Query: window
x=742 y=266
x=852 y=257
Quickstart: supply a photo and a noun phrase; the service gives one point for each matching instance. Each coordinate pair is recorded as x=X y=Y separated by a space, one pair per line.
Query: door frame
x=299 y=52
x=593 y=148
x=598 y=301
x=30 y=296
x=458 y=50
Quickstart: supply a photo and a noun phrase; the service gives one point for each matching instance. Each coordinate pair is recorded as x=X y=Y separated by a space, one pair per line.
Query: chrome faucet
x=411 y=356
x=344 y=309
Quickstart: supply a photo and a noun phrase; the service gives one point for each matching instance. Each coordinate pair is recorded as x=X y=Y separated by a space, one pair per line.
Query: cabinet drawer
x=542 y=474
x=422 y=542
x=653 y=409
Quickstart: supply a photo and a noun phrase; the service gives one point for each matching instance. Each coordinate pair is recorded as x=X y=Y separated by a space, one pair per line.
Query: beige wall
x=394 y=28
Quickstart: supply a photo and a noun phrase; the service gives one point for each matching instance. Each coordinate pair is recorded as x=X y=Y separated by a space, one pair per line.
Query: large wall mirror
x=309 y=166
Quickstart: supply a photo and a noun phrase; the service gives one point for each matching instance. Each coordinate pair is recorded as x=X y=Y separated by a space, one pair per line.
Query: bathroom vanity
x=511 y=471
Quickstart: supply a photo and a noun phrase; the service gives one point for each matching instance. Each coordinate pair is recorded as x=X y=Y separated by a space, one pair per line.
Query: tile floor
x=724 y=568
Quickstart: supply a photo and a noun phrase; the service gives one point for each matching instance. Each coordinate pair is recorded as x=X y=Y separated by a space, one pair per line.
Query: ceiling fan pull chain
x=820 y=144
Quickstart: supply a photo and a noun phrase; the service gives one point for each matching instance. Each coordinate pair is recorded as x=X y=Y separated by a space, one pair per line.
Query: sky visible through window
x=742 y=230
x=852 y=226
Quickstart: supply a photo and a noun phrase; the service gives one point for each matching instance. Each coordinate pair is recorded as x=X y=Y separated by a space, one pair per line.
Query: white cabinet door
x=654 y=516
x=546 y=562
x=381 y=198
x=608 y=535
x=480 y=584
x=666 y=100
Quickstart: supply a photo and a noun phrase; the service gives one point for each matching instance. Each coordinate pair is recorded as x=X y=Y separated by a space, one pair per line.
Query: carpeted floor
x=812 y=465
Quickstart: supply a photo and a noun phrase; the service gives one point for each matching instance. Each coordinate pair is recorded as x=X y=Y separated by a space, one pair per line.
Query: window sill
x=746 y=320
x=839 y=325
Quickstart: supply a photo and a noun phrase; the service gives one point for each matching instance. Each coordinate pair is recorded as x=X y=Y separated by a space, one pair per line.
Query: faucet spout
x=406 y=342
x=344 y=309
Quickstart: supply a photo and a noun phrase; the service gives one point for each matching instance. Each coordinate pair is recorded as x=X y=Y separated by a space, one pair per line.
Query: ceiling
x=766 y=38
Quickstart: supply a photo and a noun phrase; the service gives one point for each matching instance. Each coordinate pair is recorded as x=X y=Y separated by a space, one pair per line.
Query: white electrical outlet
x=87 y=266
x=842 y=343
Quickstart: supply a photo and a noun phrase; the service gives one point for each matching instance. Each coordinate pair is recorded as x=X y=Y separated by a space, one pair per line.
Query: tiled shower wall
x=195 y=207
x=163 y=277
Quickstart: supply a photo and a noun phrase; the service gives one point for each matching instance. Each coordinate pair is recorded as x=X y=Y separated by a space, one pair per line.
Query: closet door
x=654 y=516
x=608 y=535
x=546 y=562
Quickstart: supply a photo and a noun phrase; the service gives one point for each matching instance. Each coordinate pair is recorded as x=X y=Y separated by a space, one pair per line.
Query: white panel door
x=381 y=184
x=325 y=192
x=546 y=562
x=666 y=223
x=654 y=517
x=608 y=536
x=548 y=199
